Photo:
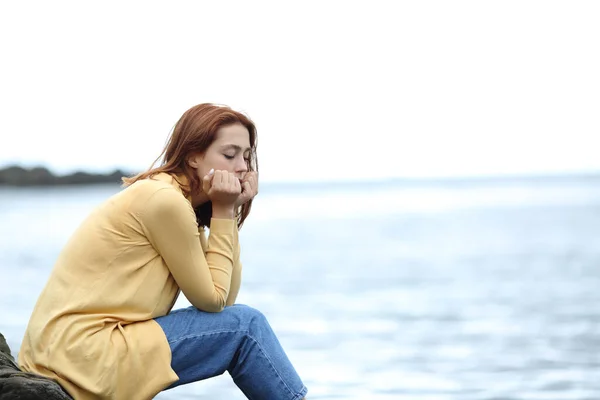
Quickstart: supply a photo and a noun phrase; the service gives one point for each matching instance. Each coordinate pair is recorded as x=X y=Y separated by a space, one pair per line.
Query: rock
x=18 y=385
x=4 y=346
x=39 y=176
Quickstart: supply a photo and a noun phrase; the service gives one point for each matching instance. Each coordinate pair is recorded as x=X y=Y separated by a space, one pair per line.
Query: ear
x=194 y=160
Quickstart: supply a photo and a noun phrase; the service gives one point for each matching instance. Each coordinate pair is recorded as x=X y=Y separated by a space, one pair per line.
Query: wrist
x=223 y=212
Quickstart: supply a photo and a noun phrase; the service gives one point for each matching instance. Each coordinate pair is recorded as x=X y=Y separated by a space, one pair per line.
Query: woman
x=102 y=326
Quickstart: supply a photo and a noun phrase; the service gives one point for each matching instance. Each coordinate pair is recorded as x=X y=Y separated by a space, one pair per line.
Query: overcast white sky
x=338 y=89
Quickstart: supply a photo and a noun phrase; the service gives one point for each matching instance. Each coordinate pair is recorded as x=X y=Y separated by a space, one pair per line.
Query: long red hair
x=194 y=133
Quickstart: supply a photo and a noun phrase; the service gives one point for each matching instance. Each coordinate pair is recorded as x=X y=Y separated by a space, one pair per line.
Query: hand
x=249 y=188
x=222 y=188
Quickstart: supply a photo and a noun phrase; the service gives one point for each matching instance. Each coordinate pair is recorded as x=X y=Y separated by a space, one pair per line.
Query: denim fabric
x=239 y=340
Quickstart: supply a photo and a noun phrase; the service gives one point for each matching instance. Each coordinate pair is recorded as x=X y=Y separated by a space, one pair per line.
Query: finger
x=254 y=183
x=247 y=189
x=207 y=181
x=219 y=177
x=227 y=180
x=250 y=177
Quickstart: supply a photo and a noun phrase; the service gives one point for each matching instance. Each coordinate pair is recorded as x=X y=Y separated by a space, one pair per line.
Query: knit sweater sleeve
x=236 y=275
x=236 y=278
x=170 y=225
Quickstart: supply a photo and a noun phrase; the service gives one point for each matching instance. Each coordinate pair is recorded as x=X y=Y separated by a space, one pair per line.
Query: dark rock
x=4 y=346
x=39 y=176
x=18 y=385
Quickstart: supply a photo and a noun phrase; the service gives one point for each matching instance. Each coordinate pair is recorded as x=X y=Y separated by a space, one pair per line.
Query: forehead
x=233 y=134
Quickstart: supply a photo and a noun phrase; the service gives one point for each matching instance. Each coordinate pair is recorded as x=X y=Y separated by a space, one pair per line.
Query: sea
x=402 y=289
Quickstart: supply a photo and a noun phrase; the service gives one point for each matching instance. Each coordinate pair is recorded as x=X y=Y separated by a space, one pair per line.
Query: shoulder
x=149 y=185
x=146 y=189
x=150 y=193
x=161 y=200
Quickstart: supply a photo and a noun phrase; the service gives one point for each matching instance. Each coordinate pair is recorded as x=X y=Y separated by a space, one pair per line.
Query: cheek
x=221 y=163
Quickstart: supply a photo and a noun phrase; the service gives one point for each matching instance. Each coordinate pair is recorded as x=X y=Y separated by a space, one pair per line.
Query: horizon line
x=512 y=176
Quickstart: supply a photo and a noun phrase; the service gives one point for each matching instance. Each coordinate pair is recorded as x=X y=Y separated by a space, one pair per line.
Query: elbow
x=216 y=308
x=214 y=305
x=209 y=307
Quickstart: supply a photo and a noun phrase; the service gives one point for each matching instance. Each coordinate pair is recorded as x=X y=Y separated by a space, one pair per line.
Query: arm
x=170 y=225
x=236 y=278
x=249 y=190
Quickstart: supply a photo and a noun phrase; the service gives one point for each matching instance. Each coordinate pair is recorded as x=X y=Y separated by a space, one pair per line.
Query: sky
x=339 y=90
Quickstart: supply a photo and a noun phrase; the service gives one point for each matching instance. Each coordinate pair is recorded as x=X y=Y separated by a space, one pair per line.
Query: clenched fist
x=222 y=188
x=249 y=188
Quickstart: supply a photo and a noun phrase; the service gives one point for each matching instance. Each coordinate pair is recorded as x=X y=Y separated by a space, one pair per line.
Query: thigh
x=204 y=344
x=191 y=321
x=238 y=339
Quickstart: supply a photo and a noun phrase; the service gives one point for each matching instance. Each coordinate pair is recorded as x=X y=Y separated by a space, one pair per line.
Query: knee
x=249 y=316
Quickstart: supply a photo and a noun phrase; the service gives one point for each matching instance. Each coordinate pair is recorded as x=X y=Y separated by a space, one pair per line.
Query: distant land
x=15 y=175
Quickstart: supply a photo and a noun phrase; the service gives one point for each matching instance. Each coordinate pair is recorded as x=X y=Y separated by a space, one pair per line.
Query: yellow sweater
x=92 y=328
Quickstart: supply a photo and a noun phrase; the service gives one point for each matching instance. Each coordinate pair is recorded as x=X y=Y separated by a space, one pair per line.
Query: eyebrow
x=234 y=146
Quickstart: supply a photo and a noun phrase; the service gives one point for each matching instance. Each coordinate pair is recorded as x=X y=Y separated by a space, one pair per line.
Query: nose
x=241 y=167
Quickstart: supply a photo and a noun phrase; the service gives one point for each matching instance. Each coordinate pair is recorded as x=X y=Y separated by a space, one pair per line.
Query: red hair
x=194 y=133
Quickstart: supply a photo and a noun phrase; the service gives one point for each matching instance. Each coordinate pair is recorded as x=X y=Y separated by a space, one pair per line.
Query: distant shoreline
x=15 y=175
x=18 y=176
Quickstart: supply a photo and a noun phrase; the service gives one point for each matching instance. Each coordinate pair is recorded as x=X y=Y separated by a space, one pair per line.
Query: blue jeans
x=239 y=340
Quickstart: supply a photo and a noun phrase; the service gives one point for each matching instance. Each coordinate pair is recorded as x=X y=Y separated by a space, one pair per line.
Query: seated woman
x=103 y=327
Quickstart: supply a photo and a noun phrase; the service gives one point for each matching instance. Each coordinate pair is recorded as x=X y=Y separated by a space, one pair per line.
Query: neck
x=199 y=199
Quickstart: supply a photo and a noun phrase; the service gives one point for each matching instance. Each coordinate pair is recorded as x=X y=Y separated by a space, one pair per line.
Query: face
x=230 y=151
